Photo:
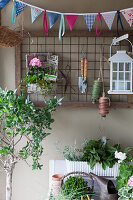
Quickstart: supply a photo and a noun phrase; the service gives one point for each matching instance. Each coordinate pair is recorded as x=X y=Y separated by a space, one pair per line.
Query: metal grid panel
x=69 y=52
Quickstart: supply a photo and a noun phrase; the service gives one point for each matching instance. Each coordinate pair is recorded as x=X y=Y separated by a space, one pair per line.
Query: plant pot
x=56 y=183
x=32 y=88
x=73 y=166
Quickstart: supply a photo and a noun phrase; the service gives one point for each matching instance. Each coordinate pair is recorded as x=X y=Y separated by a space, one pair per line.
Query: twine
x=98 y=85
x=104 y=103
x=96 y=90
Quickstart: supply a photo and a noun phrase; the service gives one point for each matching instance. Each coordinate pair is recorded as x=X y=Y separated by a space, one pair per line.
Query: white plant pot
x=32 y=88
x=73 y=166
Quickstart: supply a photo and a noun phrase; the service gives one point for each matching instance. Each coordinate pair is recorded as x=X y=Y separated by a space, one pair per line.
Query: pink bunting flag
x=128 y=14
x=71 y=20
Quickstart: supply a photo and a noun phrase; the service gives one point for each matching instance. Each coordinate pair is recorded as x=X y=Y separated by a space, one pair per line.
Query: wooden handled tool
x=85 y=68
x=82 y=66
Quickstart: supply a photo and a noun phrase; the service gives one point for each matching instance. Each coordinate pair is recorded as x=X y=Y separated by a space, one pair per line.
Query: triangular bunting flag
x=90 y=19
x=109 y=18
x=3 y=3
x=35 y=12
x=71 y=20
x=19 y=7
x=52 y=18
x=128 y=14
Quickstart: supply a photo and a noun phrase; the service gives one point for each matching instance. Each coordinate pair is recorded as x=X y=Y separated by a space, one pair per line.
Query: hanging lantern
x=104 y=104
x=120 y=70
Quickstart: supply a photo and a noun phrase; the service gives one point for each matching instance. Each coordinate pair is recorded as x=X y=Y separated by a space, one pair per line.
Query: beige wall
x=69 y=123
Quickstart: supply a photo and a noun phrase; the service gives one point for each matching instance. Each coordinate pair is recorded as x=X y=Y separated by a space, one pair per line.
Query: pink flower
x=130 y=181
x=36 y=9
x=35 y=62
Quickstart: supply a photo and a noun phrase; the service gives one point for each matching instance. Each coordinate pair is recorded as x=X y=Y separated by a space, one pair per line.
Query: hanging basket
x=9 y=38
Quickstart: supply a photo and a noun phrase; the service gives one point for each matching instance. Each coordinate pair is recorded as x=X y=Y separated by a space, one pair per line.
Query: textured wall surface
x=69 y=124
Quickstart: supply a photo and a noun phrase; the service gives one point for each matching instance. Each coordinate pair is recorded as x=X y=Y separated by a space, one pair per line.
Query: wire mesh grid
x=70 y=52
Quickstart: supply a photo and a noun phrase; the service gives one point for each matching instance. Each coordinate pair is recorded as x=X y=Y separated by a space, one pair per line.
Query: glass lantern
x=120 y=73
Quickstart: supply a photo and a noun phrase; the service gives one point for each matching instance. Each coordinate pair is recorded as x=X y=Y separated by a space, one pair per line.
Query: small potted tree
x=21 y=121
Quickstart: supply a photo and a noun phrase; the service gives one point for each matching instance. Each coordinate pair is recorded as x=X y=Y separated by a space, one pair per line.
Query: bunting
x=98 y=20
x=53 y=17
x=35 y=12
x=109 y=18
x=128 y=14
x=19 y=7
x=3 y=3
x=71 y=19
x=90 y=19
x=119 y=21
x=45 y=27
x=62 y=27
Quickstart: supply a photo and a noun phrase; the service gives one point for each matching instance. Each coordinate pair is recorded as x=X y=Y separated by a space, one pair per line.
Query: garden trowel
x=84 y=86
x=81 y=79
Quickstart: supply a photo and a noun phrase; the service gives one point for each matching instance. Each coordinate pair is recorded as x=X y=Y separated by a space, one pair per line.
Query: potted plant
x=40 y=77
x=95 y=156
x=22 y=123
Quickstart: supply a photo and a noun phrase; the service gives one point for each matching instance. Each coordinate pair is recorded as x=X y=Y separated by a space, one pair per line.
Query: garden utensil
x=84 y=85
x=107 y=188
x=81 y=79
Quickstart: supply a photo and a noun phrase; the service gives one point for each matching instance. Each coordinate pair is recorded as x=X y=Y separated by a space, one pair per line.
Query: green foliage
x=76 y=186
x=38 y=75
x=95 y=151
x=71 y=153
x=126 y=171
x=126 y=193
x=20 y=119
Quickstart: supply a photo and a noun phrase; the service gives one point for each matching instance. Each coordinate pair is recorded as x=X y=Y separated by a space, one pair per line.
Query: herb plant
x=76 y=186
x=95 y=151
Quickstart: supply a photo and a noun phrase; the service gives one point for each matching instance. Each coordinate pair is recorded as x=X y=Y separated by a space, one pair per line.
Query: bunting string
x=19 y=5
x=62 y=26
x=14 y=12
x=99 y=19
x=45 y=27
x=119 y=21
x=30 y=5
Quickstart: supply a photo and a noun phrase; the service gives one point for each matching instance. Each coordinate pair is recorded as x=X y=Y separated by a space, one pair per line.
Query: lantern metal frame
x=117 y=72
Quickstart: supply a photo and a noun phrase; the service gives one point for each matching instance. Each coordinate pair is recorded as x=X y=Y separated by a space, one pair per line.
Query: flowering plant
x=35 y=62
x=120 y=156
x=39 y=75
x=127 y=192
